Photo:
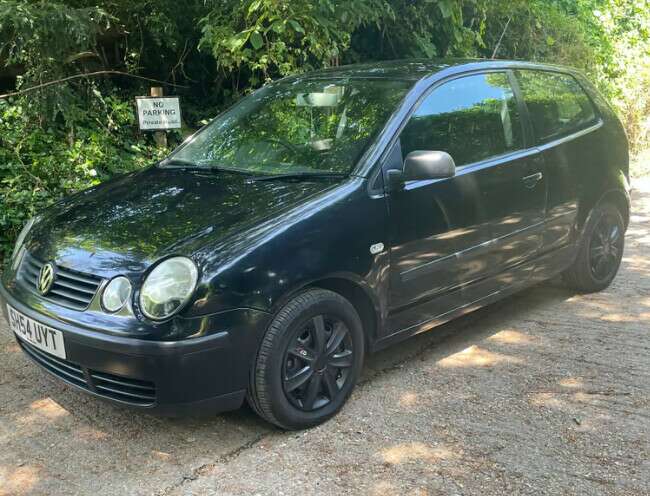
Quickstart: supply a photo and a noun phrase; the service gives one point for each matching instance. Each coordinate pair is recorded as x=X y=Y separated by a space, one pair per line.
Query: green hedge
x=40 y=165
x=72 y=135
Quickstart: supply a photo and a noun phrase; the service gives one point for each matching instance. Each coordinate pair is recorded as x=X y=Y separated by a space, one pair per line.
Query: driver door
x=443 y=231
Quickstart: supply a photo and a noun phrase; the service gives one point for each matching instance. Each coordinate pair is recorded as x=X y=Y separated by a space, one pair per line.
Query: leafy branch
x=87 y=75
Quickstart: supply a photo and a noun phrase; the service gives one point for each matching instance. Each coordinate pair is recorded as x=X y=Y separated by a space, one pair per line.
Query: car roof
x=416 y=69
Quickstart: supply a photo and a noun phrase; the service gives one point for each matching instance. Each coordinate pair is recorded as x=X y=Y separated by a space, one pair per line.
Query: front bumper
x=196 y=375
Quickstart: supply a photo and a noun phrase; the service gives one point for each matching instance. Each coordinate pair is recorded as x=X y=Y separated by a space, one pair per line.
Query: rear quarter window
x=557 y=104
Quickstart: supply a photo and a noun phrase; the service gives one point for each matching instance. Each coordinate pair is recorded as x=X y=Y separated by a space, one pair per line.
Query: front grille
x=71 y=288
x=128 y=390
x=57 y=366
x=122 y=389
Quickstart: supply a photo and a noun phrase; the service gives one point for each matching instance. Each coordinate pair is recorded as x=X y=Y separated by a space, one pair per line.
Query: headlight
x=116 y=294
x=168 y=287
x=21 y=237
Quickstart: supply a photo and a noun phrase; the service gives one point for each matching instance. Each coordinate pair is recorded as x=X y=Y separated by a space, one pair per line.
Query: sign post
x=160 y=137
x=158 y=113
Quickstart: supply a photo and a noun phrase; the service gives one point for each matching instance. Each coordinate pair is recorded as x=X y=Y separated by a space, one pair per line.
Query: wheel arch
x=616 y=196
x=619 y=199
x=352 y=289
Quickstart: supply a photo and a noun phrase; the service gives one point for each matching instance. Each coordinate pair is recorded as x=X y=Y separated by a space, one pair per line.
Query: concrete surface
x=544 y=393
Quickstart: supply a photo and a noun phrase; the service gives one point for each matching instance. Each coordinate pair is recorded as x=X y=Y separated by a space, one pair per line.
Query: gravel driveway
x=544 y=393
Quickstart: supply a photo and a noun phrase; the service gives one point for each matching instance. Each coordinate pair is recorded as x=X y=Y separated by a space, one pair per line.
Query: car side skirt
x=543 y=268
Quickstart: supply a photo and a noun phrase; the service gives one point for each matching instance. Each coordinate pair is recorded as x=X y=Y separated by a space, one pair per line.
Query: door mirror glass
x=421 y=165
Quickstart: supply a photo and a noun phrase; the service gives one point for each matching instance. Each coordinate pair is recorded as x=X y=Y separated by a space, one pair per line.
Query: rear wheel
x=601 y=251
x=309 y=361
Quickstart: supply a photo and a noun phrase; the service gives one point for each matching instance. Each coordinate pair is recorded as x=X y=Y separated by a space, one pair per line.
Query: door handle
x=532 y=180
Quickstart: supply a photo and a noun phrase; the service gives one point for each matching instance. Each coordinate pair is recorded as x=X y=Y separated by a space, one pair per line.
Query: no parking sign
x=158 y=113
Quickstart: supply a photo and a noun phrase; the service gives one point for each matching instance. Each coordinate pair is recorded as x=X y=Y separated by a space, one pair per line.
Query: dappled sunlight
x=408 y=400
x=641 y=237
x=575 y=403
x=416 y=451
x=588 y=312
x=48 y=408
x=572 y=382
x=161 y=455
x=92 y=434
x=384 y=488
x=620 y=317
x=610 y=311
x=638 y=219
x=42 y=412
x=584 y=424
x=45 y=408
x=582 y=397
x=602 y=305
x=567 y=400
x=540 y=391
x=576 y=298
x=474 y=356
x=640 y=264
x=18 y=481
x=510 y=336
x=12 y=347
x=548 y=400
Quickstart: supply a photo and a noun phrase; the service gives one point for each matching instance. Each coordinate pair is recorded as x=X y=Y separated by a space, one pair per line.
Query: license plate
x=38 y=335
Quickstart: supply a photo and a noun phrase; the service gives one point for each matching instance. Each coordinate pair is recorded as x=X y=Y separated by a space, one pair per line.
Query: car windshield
x=302 y=126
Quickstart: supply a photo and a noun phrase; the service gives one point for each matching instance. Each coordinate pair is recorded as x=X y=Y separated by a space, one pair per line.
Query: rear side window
x=557 y=104
x=471 y=118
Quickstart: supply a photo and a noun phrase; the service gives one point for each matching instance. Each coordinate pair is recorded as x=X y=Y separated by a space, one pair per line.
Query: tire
x=294 y=385
x=605 y=223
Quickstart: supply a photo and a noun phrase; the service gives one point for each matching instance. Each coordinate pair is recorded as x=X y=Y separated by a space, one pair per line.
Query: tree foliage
x=217 y=50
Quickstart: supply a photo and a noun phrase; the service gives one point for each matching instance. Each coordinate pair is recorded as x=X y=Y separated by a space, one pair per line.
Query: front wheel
x=600 y=253
x=309 y=361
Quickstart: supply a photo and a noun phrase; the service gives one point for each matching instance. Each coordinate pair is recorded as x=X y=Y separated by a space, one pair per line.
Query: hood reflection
x=141 y=217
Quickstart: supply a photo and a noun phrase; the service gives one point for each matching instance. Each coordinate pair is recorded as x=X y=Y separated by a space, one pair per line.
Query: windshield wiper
x=179 y=163
x=297 y=175
x=186 y=164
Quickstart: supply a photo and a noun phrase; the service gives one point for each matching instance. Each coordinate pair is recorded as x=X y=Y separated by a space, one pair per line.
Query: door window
x=557 y=104
x=471 y=118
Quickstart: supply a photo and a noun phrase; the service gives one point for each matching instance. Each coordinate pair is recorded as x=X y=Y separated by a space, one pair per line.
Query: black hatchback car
x=324 y=216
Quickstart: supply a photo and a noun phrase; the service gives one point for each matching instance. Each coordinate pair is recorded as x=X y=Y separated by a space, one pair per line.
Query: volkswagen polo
x=323 y=217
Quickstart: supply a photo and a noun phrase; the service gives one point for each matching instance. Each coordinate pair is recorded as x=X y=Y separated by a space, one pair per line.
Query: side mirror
x=422 y=165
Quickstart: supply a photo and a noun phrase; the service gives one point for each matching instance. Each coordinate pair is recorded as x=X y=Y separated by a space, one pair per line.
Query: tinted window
x=472 y=118
x=556 y=102
x=302 y=125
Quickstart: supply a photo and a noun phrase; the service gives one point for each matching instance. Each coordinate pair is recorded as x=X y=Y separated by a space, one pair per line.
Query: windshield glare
x=300 y=126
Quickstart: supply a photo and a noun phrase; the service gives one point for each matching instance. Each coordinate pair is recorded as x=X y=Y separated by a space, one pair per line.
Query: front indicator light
x=116 y=294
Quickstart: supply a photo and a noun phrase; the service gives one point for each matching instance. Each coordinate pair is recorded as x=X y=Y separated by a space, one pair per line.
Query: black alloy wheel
x=600 y=251
x=606 y=247
x=309 y=360
x=317 y=363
